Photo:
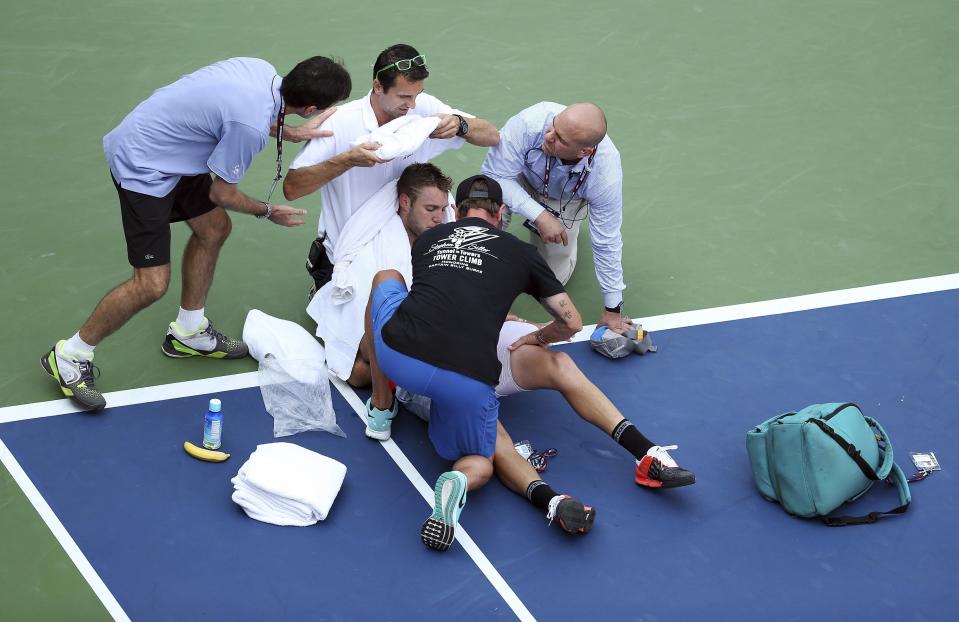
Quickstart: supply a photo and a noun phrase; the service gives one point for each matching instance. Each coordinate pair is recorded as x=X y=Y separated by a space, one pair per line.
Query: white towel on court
x=401 y=136
x=285 y=484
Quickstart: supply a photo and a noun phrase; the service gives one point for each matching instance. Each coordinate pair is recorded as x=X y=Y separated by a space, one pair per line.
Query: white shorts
x=510 y=332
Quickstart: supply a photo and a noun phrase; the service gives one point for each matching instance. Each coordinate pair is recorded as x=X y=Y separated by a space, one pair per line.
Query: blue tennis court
x=161 y=532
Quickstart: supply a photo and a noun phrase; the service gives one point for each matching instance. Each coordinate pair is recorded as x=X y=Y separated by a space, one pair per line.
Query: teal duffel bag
x=813 y=461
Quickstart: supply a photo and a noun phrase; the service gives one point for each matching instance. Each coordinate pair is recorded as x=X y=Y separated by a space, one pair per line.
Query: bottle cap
x=214 y=405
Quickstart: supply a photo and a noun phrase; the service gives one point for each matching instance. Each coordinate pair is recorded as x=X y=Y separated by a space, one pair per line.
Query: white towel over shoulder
x=340 y=324
x=363 y=226
x=373 y=239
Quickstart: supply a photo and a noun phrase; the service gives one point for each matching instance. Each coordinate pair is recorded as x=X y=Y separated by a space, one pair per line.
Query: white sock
x=78 y=348
x=189 y=321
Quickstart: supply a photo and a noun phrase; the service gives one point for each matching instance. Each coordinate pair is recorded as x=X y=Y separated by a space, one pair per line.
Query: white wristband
x=269 y=210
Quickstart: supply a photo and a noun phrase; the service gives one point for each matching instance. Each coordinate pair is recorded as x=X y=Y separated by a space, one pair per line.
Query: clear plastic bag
x=297 y=394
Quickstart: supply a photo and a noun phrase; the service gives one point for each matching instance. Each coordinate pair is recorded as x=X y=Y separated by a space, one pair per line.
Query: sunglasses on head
x=405 y=64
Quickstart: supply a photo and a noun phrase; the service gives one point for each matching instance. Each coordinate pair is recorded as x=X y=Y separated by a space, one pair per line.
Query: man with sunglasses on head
x=347 y=175
x=179 y=157
x=558 y=167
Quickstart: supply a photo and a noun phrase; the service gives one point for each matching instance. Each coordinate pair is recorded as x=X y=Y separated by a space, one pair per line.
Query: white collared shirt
x=519 y=153
x=343 y=196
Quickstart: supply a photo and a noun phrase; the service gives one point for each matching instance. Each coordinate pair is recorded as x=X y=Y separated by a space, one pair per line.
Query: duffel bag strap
x=897 y=478
x=885 y=469
x=848 y=447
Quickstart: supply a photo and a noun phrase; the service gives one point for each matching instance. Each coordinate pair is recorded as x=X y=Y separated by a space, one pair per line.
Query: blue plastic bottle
x=213 y=426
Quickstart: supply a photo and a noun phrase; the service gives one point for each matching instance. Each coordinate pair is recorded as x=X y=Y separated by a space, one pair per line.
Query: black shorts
x=146 y=219
x=318 y=263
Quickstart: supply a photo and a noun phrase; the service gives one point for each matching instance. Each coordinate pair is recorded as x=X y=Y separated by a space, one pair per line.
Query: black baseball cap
x=494 y=193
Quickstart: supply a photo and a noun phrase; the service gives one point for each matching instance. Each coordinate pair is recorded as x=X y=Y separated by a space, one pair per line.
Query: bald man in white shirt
x=558 y=167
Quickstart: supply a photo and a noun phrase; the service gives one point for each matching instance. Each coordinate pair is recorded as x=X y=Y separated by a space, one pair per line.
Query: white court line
x=62 y=535
x=129 y=397
x=247 y=380
x=668 y=321
x=426 y=491
x=806 y=302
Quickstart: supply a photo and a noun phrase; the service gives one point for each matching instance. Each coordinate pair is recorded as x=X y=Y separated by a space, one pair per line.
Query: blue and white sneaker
x=450 y=493
x=379 y=422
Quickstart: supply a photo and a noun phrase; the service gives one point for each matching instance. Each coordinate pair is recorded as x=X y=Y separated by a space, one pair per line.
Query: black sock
x=539 y=494
x=629 y=436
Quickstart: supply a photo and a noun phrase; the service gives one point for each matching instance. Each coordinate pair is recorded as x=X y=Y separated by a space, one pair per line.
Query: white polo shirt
x=344 y=195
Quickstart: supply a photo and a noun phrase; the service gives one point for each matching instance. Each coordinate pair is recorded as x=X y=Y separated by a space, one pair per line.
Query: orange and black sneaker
x=75 y=377
x=657 y=469
x=571 y=515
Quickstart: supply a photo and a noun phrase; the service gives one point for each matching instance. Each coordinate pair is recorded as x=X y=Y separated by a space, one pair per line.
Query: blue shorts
x=464 y=410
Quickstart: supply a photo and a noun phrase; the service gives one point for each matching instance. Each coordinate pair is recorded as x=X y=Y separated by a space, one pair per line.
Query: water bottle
x=213 y=426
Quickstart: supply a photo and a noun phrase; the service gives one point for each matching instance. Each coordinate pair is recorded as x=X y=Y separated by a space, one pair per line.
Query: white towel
x=401 y=136
x=341 y=325
x=266 y=509
x=357 y=233
x=286 y=484
x=373 y=239
x=296 y=350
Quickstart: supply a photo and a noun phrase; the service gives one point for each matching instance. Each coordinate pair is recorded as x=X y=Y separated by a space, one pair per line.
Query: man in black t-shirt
x=470 y=268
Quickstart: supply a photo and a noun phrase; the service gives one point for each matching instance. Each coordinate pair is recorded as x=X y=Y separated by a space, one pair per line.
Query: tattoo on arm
x=549 y=309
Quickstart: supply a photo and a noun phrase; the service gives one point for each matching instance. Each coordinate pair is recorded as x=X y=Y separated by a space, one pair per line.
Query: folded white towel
x=401 y=136
x=286 y=484
x=266 y=509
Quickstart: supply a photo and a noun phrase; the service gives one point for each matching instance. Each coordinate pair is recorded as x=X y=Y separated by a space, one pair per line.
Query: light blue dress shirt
x=519 y=154
x=215 y=119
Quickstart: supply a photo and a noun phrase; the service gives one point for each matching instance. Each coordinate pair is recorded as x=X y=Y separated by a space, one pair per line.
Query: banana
x=204 y=454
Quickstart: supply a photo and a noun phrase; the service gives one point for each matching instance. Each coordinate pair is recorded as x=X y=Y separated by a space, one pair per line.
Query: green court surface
x=770 y=149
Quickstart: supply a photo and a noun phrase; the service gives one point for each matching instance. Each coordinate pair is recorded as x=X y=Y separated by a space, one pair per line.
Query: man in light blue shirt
x=178 y=156
x=557 y=167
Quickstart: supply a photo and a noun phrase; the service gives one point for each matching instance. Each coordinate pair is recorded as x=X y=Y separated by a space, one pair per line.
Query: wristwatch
x=617 y=309
x=268 y=212
x=464 y=126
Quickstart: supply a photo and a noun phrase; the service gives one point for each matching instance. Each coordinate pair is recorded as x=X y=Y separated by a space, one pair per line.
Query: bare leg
x=477 y=470
x=512 y=469
x=538 y=368
x=360 y=376
x=210 y=231
x=517 y=474
x=382 y=395
x=124 y=301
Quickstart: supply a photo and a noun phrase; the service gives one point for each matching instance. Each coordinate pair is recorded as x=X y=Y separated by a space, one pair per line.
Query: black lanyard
x=583 y=174
x=279 y=149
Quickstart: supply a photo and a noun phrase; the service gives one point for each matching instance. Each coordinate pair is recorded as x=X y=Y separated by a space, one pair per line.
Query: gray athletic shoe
x=205 y=341
x=571 y=515
x=74 y=377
